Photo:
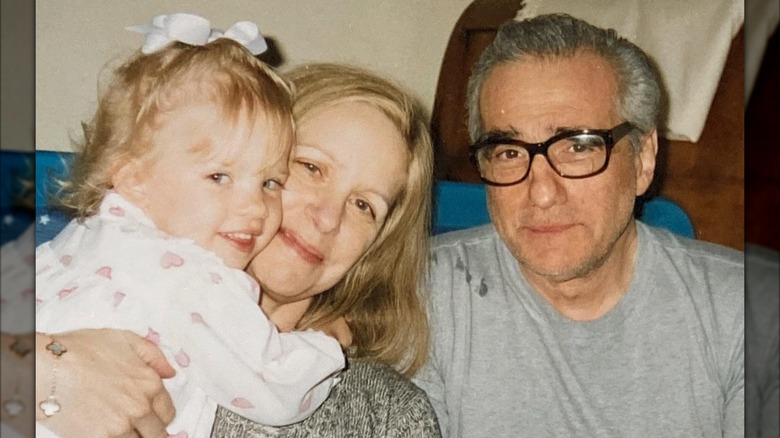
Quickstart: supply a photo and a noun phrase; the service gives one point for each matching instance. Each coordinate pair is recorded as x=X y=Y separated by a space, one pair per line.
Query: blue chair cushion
x=664 y=213
x=49 y=165
x=13 y=222
x=16 y=170
x=49 y=222
x=459 y=205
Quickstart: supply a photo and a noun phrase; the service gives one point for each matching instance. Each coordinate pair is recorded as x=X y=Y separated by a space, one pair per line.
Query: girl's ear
x=127 y=180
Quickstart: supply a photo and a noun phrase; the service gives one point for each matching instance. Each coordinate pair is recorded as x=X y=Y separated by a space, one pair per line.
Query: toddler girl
x=176 y=188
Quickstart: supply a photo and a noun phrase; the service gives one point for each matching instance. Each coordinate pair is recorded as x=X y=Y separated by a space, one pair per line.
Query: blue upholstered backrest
x=457 y=205
x=16 y=172
x=48 y=167
x=463 y=205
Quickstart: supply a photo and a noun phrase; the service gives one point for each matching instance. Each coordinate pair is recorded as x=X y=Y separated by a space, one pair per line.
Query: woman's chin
x=287 y=294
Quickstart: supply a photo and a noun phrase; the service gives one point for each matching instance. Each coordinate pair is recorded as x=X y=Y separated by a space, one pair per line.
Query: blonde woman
x=354 y=244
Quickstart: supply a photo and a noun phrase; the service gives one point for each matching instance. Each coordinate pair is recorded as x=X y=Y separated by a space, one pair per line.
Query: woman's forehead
x=361 y=141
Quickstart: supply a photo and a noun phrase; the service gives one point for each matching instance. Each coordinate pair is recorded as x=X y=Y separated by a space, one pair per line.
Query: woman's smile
x=305 y=251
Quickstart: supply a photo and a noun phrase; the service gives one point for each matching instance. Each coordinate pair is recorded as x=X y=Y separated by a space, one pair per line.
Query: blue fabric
x=463 y=205
x=49 y=166
x=663 y=213
x=15 y=168
x=458 y=205
x=13 y=222
x=49 y=222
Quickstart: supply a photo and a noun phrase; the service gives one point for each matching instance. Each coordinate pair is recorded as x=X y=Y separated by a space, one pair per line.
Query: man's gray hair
x=560 y=36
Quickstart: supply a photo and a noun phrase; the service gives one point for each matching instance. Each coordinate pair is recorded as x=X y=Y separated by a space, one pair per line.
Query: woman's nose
x=326 y=213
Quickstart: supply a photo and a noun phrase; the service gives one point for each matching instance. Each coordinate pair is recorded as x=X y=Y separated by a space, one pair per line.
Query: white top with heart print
x=116 y=270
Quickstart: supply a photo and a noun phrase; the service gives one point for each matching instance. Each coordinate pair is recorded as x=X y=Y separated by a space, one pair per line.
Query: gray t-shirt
x=762 y=342
x=667 y=360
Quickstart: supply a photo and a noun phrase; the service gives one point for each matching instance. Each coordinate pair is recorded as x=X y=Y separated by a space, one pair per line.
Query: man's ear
x=127 y=180
x=645 y=161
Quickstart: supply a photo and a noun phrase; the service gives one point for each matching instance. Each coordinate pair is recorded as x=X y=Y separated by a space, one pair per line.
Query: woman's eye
x=219 y=178
x=365 y=207
x=311 y=168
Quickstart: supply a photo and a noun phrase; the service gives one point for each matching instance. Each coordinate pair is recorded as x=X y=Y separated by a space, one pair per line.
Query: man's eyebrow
x=497 y=135
x=572 y=128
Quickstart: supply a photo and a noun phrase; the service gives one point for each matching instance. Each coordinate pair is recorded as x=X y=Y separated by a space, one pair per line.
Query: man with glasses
x=566 y=316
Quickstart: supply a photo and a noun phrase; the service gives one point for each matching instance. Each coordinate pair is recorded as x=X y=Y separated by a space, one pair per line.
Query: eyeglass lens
x=574 y=156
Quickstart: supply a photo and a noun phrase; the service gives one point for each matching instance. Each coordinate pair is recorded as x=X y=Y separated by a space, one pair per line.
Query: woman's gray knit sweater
x=372 y=400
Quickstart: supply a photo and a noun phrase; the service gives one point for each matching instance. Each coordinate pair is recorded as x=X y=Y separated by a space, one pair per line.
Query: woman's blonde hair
x=222 y=72
x=381 y=296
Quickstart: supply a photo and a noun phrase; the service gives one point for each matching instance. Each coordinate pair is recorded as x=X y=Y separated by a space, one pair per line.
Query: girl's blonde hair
x=381 y=295
x=222 y=72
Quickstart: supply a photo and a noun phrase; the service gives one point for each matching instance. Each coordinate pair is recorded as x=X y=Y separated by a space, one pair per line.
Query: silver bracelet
x=51 y=406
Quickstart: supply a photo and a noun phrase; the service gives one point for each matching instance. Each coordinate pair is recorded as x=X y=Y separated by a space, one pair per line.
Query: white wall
x=401 y=39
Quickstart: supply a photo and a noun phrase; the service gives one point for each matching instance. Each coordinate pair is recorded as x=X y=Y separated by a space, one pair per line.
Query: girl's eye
x=365 y=207
x=272 y=184
x=219 y=178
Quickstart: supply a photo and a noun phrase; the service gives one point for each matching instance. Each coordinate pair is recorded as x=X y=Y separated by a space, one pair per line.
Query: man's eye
x=585 y=143
x=506 y=153
x=509 y=154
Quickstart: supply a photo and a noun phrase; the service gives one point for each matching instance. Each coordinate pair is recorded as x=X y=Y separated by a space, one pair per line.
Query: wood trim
x=474 y=30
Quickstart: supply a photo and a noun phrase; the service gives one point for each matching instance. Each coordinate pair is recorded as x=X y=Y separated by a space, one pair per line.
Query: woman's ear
x=127 y=181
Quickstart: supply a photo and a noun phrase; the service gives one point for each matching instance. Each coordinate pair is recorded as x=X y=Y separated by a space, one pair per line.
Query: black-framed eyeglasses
x=504 y=161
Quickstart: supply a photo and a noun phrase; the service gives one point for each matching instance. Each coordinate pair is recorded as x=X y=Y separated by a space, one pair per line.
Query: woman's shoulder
x=379 y=383
x=363 y=373
x=371 y=399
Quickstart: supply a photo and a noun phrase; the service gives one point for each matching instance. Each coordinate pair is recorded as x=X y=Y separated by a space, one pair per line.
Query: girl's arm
x=236 y=355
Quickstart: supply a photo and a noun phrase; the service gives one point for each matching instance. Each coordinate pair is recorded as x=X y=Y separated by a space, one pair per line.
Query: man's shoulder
x=699 y=254
x=711 y=276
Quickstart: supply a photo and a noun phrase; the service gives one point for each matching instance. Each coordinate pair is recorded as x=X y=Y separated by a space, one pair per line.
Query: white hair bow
x=196 y=30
